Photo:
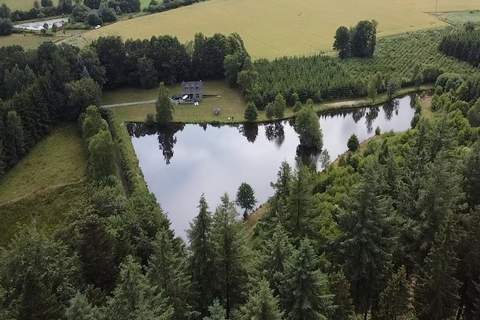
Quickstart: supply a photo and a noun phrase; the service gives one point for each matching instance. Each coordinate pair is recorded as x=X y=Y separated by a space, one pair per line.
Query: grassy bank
x=234 y=110
x=44 y=185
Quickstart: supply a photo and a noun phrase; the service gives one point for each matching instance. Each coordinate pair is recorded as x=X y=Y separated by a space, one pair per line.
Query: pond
x=183 y=161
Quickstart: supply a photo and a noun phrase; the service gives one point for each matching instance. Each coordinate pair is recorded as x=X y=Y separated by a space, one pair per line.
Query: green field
x=273 y=28
x=459 y=18
x=21 y=4
x=45 y=184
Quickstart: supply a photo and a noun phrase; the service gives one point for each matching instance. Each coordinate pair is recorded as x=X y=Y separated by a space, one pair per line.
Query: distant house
x=192 y=91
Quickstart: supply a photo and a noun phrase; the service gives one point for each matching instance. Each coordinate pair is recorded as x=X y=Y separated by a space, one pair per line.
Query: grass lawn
x=229 y=100
x=459 y=18
x=45 y=184
x=273 y=28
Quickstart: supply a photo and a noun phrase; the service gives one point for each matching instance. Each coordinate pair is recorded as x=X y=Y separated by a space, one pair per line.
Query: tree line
x=145 y=63
x=463 y=44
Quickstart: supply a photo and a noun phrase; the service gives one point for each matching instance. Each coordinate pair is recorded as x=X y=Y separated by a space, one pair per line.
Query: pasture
x=33 y=41
x=274 y=28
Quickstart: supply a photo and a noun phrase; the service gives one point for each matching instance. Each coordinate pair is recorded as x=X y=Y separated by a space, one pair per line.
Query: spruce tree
x=300 y=214
x=365 y=242
x=261 y=304
x=251 y=112
x=394 y=302
x=436 y=292
x=306 y=287
x=279 y=106
x=167 y=269
x=135 y=299
x=216 y=311
x=81 y=309
x=201 y=258
x=14 y=138
x=38 y=277
x=472 y=176
x=277 y=252
x=232 y=259
x=342 y=300
x=164 y=105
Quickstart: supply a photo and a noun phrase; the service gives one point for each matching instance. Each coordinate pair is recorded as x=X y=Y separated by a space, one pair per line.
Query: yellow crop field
x=21 y=4
x=273 y=28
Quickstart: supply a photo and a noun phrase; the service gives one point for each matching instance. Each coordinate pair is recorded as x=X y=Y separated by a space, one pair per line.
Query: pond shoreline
x=320 y=108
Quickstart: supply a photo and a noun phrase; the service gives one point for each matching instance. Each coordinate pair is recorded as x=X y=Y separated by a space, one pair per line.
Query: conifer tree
x=81 y=309
x=251 y=112
x=365 y=243
x=167 y=269
x=300 y=216
x=277 y=252
x=342 y=300
x=306 y=287
x=436 y=292
x=14 y=138
x=279 y=106
x=232 y=257
x=201 y=258
x=394 y=302
x=164 y=105
x=261 y=304
x=38 y=277
x=472 y=177
x=135 y=299
x=216 y=311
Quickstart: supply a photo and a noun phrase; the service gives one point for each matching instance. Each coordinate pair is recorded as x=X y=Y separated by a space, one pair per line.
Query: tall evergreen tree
x=277 y=252
x=164 y=106
x=38 y=276
x=342 y=300
x=81 y=309
x=201 y=258
x=261 y=304
x=167 y=269
x=232 y=258
x=394 y=302
x=306 y=287
x=436 y=292
x=342 y=42
x=135 y=299
x=300 y=215
x=472 y=177
x=308 y=128
x=14 y=138
x=364 y=245
x=216 y=311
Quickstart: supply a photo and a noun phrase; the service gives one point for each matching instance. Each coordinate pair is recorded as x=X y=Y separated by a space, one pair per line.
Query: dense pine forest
x=389 y=231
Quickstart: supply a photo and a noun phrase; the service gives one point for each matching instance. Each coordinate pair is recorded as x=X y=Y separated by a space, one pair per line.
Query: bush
x=251 y=112
x=6 y=27
x=353 y=143
x=93 y=19
x=474 y=114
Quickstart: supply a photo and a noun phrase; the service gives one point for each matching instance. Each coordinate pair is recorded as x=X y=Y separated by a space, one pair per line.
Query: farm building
x=192 y=91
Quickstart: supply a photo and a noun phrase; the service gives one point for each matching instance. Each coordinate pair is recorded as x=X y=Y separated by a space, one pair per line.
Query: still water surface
x=180 y=163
